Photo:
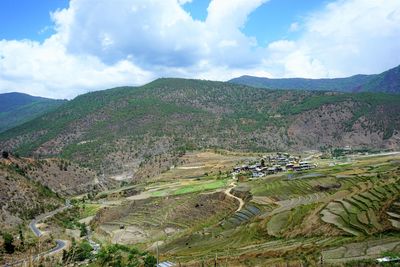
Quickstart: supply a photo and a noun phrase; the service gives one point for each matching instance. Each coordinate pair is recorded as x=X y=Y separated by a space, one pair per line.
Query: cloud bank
x=101 y=44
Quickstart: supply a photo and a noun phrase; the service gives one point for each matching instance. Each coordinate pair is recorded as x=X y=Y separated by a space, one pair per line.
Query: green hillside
x=338 y=84
x=18 y=108
x=142 y=130
x=386 y=82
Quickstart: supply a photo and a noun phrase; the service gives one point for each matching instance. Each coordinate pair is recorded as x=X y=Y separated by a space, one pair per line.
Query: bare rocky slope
x=137 y=132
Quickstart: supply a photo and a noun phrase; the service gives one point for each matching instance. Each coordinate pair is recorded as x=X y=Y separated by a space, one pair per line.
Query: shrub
x=8 y=243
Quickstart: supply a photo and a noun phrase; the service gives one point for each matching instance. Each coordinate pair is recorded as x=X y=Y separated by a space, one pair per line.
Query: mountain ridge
x=386 y=82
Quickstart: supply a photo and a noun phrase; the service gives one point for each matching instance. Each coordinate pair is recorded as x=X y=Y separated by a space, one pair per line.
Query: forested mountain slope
x=17 y=108
x=386 y=82
x=140 y=131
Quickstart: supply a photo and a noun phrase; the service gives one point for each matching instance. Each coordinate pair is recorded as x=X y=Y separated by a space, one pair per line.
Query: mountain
x=138 y=132
x=338 y=84
x=17 y=108
x=387 y=82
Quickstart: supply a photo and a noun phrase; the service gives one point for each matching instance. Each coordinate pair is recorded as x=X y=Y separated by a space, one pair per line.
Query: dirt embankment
x=242 y=192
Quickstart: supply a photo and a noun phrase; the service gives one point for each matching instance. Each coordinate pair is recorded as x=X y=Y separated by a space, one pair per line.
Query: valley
x=190 y=170
x=199 y=133
x=201 y=212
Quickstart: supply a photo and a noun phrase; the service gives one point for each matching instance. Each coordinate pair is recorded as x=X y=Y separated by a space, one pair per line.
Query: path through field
x=228 y=193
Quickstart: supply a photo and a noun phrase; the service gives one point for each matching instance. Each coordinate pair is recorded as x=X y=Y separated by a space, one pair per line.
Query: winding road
x=228 y=193
x=60 y=244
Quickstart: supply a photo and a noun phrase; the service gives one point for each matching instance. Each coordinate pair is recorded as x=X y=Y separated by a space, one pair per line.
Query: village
x=267 y=165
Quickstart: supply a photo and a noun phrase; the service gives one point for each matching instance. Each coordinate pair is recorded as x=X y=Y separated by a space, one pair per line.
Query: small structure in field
x=166 y=264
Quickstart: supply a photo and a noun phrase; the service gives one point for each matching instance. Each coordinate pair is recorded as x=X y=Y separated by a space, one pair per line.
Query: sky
x=63 y=48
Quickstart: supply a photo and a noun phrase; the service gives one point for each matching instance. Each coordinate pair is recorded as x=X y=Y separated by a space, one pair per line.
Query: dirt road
x=228 y=193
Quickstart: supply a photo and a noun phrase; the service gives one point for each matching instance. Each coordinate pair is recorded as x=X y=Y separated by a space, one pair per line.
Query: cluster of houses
x=274 y=164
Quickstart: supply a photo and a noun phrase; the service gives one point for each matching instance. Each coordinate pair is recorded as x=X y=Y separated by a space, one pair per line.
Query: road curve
x=34 y=229
x=60 y=244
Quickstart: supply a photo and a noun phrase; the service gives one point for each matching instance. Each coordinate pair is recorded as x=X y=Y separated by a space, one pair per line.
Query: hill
x=17 y=108
x=30 y=187
x=138 y=132
x=22 y=198
x=387 y=82
x=338 y=84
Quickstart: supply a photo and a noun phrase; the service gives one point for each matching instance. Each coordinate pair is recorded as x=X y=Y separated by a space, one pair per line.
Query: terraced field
x=143 y=221
x=241 y=217
x=295 y=220
x=358 y=214
x=322 y=215
x=394 y=214
x=360 y=251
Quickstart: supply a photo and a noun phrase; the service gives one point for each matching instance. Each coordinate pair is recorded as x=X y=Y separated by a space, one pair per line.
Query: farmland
x=332 y=214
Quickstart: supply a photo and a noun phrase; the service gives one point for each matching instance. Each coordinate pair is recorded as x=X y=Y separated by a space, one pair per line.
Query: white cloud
x=182 y=2
x=282 y=46
x=294 y=27
x=101 y=44
x=47 y=70
x=346 y=38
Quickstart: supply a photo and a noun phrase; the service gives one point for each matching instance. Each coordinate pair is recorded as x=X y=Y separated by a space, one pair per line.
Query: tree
x=8 y=243
x=150 y=261
x=84 y=251
x=77 y=252
x=5 y=154
x=83 y=229
x=21 y=236
x=262 y=163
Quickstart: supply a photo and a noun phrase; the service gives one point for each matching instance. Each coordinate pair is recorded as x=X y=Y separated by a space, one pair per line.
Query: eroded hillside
x=139 y=132
x=22 y=198
x=31 y=187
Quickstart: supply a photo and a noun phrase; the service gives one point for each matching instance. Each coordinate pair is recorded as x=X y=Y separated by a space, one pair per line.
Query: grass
x=277 y=223
x=189 y=186
x=201 y=187
x=87 y=210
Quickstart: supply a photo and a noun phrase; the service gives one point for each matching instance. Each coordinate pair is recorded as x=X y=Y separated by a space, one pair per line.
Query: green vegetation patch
x=209 y=185
x=87 y=210
x=205 y=184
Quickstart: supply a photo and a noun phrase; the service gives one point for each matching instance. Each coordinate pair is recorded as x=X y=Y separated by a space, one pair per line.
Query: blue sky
x=62 y=48
x=279 y=13
x=27 y=19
